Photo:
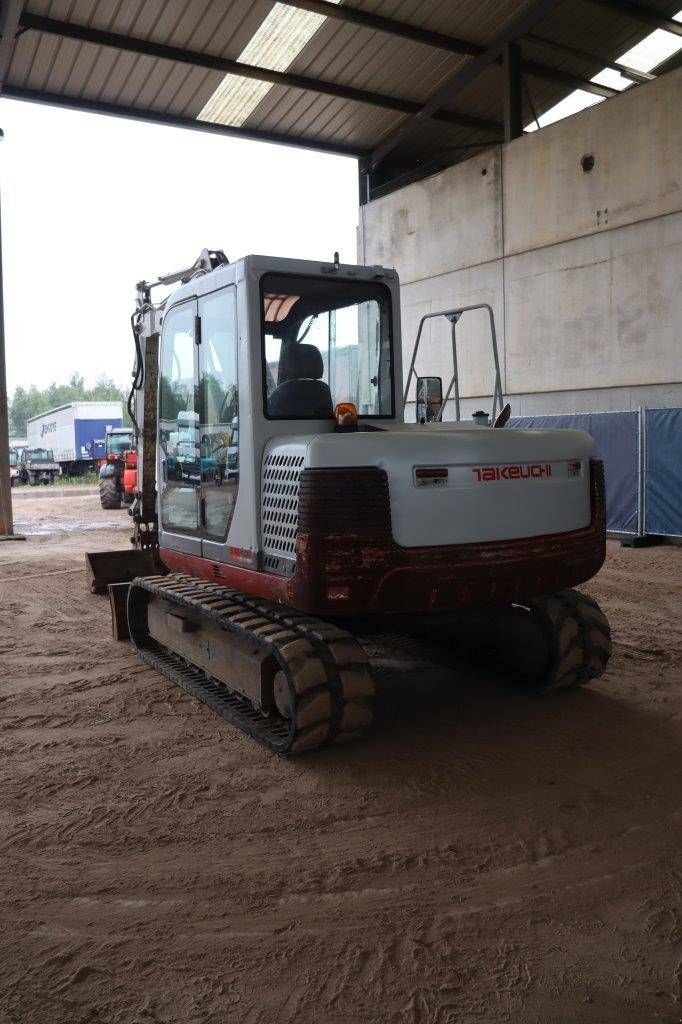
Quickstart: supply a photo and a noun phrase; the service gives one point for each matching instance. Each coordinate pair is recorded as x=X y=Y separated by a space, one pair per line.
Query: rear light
x=243 y=556
x=431 y=476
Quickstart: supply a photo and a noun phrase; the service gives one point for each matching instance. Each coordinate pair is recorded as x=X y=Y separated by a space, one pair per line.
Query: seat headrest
x=299 y=361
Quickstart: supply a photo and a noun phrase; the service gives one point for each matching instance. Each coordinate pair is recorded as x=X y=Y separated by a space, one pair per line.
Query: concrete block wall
x=583 y=269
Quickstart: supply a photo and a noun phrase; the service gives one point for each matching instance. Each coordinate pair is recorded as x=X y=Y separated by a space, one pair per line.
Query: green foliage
x=33 y=401
x=84 y=480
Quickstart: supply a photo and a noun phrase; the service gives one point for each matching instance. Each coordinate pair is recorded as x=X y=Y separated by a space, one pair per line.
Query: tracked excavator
x=295 y=487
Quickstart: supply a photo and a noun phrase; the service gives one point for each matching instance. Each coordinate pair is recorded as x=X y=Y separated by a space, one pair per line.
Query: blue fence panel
x=663 y=487
x=616 y=436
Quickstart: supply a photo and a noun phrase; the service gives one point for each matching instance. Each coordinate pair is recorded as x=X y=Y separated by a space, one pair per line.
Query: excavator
x=295 y=487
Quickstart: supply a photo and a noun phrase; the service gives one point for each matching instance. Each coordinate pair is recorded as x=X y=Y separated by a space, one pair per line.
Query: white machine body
x=449 y=483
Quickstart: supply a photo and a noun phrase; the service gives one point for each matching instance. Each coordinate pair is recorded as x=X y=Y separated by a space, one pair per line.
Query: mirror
x=429 y=399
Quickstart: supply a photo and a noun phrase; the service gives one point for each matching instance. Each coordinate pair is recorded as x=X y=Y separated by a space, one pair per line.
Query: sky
x=92 y=204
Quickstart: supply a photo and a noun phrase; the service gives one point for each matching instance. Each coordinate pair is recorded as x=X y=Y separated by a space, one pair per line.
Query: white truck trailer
x=75 y=432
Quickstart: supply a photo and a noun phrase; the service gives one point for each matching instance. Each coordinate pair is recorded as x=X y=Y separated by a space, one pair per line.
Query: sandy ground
x=51 y=511
x=480 y=857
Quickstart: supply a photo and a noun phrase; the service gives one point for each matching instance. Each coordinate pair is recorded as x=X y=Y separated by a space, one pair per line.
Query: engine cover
x=454 y=484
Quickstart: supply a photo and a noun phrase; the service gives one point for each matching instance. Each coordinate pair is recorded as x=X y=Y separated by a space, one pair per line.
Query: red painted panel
x=259 y=584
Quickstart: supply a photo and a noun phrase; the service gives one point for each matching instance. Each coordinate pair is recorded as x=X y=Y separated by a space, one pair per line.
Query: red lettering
x=535 y=471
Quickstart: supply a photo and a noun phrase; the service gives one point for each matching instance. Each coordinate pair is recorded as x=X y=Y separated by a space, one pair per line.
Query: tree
x=27 y=403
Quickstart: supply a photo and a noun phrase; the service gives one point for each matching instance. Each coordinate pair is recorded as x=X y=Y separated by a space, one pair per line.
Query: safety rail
x=454 y=316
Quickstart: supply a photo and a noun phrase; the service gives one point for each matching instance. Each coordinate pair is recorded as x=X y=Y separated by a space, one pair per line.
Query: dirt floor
x=480 y=857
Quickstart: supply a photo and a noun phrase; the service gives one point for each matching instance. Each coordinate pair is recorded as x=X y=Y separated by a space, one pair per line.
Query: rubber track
x=328 y=672
x=579 y=638
x=577 y=634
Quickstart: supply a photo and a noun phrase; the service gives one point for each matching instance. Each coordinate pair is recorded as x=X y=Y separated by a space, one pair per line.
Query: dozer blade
x=105 y=567
x=118 y=602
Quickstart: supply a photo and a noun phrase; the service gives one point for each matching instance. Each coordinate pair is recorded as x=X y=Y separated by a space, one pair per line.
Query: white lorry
x=75 y=432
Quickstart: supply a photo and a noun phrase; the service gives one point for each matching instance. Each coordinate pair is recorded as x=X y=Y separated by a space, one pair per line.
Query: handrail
x=453 y=315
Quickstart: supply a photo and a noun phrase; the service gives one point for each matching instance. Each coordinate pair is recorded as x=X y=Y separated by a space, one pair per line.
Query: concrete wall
x=583 y=270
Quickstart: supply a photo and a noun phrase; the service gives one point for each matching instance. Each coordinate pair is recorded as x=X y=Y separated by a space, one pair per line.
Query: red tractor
x=118 y=470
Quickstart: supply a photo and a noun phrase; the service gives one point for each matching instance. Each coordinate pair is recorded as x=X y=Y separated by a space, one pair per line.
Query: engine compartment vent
x=281 y=476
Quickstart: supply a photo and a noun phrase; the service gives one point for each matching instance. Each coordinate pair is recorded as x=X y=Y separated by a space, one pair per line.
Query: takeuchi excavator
x=284 y=504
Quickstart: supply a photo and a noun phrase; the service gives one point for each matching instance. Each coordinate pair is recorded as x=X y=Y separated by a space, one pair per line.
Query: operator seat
x=301 y=394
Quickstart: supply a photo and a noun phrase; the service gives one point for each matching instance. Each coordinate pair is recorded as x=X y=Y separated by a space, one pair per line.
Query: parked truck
x=76 y=433
x=37 y=466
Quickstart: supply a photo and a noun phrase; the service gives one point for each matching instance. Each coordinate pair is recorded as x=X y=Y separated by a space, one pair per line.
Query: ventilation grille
x=353 y=501
x=281 y=473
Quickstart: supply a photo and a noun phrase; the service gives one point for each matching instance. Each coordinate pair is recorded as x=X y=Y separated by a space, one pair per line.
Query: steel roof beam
x=439 y=41
x=212 y=62
x=643 y=14
x=178 y=121
x=520 y=26
x=615 y=65
x=9 y=23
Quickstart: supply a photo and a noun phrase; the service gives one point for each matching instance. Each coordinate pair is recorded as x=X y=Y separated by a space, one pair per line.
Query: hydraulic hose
x=138 y=376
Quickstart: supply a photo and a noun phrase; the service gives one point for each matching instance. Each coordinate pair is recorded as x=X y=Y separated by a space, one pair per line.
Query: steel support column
x=6 y=522
x=513 y=92
x=9 y=21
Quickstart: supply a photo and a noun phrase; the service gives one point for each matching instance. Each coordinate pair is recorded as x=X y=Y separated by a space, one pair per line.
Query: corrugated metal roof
x=48 y=65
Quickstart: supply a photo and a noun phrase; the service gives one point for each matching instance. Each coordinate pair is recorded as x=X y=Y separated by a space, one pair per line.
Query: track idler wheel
x=554 y=642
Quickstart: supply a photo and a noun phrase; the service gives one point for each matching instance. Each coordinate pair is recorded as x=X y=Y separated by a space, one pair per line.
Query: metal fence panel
x=663 y=472
x=617 y=440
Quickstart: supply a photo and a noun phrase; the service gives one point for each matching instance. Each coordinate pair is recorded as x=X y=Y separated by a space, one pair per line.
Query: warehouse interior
x=488 y=856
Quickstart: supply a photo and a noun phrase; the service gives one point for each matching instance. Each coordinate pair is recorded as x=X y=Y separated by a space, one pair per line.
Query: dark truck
x=37 y=466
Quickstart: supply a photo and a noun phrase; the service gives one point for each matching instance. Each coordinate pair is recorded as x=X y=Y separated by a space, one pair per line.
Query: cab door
x=179 y=438
x=219 y=398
